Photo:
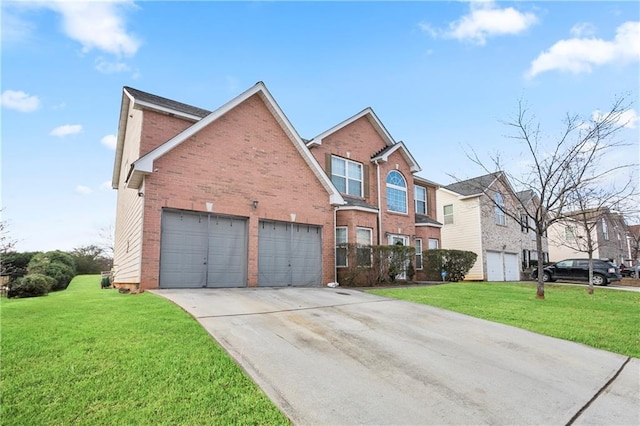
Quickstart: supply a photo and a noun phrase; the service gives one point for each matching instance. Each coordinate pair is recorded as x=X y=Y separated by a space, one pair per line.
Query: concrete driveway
x=342 y=357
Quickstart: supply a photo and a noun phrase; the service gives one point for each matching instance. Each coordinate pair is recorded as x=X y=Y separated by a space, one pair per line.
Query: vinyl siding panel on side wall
x=128 y=238
x=465 y=231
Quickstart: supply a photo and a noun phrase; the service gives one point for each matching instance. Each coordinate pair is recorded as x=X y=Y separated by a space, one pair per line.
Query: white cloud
x=97 y=25
x=485 y=20
x=66 y=130
x=84 y=190
x=583 y=29
x=110 y=141
x=19 y=100
x=107 y=67
x=627 y=118
x=106 y=185
x=15 y=29
x=578 y=55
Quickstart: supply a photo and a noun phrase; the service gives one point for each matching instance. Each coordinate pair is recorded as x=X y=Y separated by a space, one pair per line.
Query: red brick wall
x=241 y=157
x=158 y=128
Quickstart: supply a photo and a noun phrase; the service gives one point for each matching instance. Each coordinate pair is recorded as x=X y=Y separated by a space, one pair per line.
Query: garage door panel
x=289 y=254
x=202 y=250
x=494 y=267
x=511 y=267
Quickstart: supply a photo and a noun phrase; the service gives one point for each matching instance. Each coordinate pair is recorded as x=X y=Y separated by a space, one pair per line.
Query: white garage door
x=289 y=254
x=202 y=250
x=495 y=271
x=511 y=267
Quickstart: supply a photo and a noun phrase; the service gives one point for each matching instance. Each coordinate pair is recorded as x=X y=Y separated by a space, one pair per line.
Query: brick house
x=235 y=197
x=608 y=233
x=473 y=222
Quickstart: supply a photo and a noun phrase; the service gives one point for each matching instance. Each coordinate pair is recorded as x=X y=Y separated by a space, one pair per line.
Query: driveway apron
x=340 y=356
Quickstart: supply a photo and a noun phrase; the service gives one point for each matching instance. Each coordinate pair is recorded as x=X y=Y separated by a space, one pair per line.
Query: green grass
x=91 y=356
x=608 y=319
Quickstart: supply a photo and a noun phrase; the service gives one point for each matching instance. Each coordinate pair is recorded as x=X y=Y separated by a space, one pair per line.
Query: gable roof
x=158 y=103
x=369 y=114
x=474 y=187
x=384 y=154
x=423 y=220
x=144 y=165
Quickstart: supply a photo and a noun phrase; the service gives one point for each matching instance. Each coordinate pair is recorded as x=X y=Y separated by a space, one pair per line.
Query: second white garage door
x=289 y=254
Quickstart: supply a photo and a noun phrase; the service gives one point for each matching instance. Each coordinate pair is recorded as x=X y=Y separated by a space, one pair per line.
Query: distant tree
x=106 y=240
x=558 y=167
x=634 y=242
x=90 y=259
x=7 y=244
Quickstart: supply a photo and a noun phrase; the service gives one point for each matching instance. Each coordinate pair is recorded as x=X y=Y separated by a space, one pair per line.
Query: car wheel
x=634 y=274
x=546 y=277
x=599 y=280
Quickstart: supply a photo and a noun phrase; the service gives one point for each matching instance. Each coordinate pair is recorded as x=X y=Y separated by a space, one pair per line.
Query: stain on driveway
x=340 y=356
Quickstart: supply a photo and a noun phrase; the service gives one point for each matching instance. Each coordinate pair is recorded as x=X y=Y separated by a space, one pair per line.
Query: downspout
x=379 y=202
x=335 y=258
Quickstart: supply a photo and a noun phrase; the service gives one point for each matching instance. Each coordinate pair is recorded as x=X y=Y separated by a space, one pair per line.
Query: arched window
x=499 y=209
x=396 y=192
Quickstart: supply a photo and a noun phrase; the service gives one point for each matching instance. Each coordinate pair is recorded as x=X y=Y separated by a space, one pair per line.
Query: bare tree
x=106 y=236
x=593 y=208
x=558 y=167
x=7 y=244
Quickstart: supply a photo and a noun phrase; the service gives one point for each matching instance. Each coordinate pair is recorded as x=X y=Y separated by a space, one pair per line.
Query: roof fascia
x=358 y=208
x=414 y=167
x=122 y=126
x=433 y=225
x=148 y=105
x=371 y=116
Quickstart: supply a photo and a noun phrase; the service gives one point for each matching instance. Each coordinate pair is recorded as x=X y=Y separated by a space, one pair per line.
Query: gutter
x=379 y=202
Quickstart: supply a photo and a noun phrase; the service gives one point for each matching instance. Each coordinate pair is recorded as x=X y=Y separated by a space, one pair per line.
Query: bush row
x=50 y=271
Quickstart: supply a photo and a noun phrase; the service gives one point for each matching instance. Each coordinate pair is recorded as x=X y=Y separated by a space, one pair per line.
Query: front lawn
x=91 y=356
x=608 y=319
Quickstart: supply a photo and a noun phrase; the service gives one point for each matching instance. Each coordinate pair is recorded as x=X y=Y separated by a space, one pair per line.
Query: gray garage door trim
x=289 y=254
x=200 y=249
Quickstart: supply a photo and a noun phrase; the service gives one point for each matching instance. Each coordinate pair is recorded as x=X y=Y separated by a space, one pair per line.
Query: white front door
x=399 y=240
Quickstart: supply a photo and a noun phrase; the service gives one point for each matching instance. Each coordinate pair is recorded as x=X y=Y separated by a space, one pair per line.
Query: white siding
x=558 y=249
x=128 y=239
x=465 y=231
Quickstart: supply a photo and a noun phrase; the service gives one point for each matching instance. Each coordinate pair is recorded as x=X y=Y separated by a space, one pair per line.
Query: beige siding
x=558 y=249
x=128 y=241
x=465 y=231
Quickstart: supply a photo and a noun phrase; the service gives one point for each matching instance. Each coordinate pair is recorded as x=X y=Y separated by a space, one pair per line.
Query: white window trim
x=399 y=188
x=415 y=197
x=419 y=253
x=437 y=243
x=369 y=244
x=346 y=228
x=445 y=216
x=500 y=216
x=347 y=178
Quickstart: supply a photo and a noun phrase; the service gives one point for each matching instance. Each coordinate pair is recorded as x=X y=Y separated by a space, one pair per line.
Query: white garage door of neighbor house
x=495 y=272
x=202 y=250
x=502 y=266
x=289 y=254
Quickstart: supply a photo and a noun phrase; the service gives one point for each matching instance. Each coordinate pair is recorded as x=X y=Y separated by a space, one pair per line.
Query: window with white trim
x=396 y=192
x=605 y=229
x=524 y=222
x=341 y=246
x=418 y=253
x=447 y=211
x=501 y=218
x=434 y=244
x=364 y=238
x=420 y=196
x=346 y=175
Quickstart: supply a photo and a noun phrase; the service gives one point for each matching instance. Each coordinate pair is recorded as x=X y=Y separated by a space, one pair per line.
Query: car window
x=564 y=264
x=583 y=264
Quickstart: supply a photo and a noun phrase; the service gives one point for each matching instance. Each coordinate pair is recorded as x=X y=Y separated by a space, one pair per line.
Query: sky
x=443 y=77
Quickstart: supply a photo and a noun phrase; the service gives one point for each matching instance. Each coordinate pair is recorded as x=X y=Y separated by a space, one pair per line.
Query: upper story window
x=499 y=209
x=346 y=175
x=448 y=214
x=420 y=195
x=396 y=192
x=605 y=229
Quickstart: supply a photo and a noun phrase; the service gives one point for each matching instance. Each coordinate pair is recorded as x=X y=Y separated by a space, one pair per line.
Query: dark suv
x=578 y=269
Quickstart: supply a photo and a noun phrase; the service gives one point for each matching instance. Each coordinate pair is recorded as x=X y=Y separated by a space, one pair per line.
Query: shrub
x=371 y=265
x=14 y=264
x=55 y=264
x=456 y=263
x=32 y=285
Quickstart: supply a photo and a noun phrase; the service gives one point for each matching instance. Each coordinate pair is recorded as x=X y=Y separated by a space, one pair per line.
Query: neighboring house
x=472 y=221
x=567 y=238
x=633 y=244
x=529 y=254
x=235 y=197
